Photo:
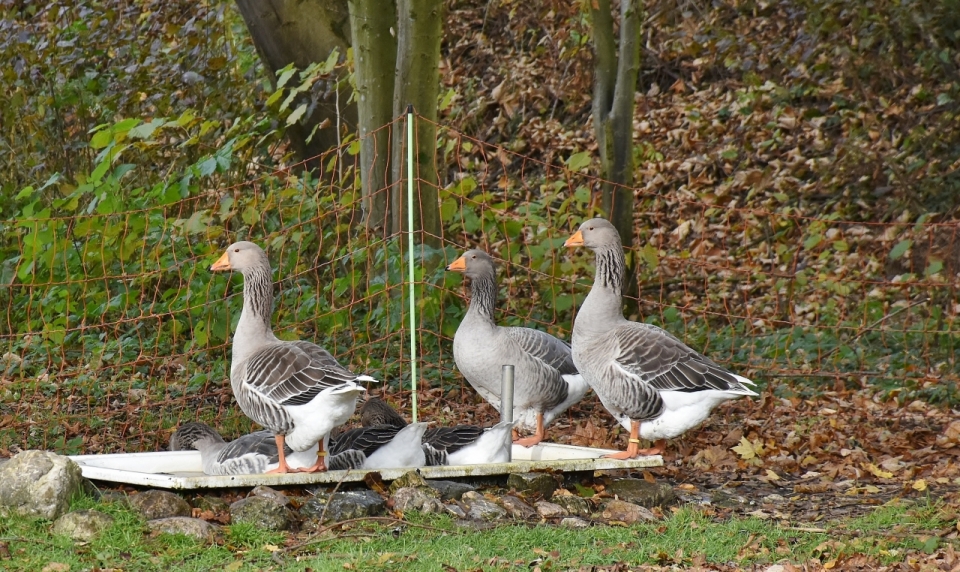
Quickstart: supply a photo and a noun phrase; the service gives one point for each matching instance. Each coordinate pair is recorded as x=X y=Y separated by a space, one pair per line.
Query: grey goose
x=295 y=389
x=653 y=384
x=546 y=380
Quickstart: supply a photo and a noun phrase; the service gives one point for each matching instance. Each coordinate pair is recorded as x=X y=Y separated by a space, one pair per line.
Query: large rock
x=421 y=499
x=517 y=508
x=623 y=511
x=550 y=510
x=344 y=506
x=643 y=493
x=542 y=484
x=265 y=491
x=155 y=504
x=39 y=483
x=265 y=512
x=450 y=489
x=574 y=505
x=199 y=529
x=480 y=508
x=83 y=525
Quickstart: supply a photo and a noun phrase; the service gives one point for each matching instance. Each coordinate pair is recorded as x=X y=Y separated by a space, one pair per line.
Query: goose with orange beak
x=654 y=385
x=546 y=383
x=296 y=390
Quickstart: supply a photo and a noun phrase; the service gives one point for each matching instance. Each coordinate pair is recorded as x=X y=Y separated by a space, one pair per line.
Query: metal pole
x=506 y=400
x=411 y=276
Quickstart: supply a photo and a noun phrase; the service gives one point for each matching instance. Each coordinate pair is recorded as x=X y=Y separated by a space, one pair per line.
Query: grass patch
x=685 y=537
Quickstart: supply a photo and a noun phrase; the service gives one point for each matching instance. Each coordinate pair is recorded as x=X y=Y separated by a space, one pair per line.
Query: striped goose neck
x=253 y=329
x=483 y=295
x=257 y=297
x=610 y=268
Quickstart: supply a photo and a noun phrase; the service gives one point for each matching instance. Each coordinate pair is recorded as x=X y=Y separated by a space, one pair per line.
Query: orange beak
x=575 y=240
x=458 y=265
x=222 y=263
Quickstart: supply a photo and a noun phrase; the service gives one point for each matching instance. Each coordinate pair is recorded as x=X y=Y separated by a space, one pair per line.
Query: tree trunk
x=418 y=83
x=303 y=32
x=375 y=58
x=615 y=84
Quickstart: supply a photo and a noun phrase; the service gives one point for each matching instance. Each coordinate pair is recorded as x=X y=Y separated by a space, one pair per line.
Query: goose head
x=595 y=234
x=474 y=263
x=242 y=256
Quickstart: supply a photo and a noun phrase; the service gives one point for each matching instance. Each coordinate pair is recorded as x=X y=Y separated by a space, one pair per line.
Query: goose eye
x=236 y=250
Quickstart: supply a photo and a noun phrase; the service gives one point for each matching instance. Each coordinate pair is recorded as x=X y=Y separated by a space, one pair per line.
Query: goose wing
x=366 y=439
x=549 y=350
x=664 y=363
x=290 y=374
x=451 y=439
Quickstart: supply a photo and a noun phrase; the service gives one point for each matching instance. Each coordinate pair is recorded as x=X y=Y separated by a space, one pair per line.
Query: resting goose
x=546 y=382
x=376 y=411
x=652 y=383
x=385 y=446
x=187 y=434
x=297 y=390
x=251 y=454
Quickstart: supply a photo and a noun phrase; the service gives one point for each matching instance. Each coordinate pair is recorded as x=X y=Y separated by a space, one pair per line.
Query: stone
x=550 y=510
x=421 y=499
x=623 y=511
x=267 y=492
x=542 y=484
x=155 y=504
x=455 y=510
x=345 y=505
x=39 y=483
x=263 y=511
x=450 y=489
x=212 y=504
x=82 y=525
x=577 y=506
x=480 y=508
x=517 y=508
x=199 y=529
x=574 y=522
x=408 y=479
x=643 y=493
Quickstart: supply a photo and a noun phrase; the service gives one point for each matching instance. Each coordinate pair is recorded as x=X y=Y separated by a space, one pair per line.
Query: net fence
x=113 y=331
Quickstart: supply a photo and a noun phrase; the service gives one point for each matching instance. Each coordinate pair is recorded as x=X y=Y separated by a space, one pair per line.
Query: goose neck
x=253 y=329
x=483 y=296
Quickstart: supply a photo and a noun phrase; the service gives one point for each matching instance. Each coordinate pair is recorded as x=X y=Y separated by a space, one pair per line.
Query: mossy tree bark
x=374 y=57
x=615 y=83
x=418 y=84
x=303 y=32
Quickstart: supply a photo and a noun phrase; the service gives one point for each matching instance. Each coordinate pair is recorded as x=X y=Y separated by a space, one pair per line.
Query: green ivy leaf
x=900 y=249
x=297 y=114
x=578 y=161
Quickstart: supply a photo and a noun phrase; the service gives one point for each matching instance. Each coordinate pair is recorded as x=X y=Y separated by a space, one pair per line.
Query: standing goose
x=652 y=383
x=297 y=390
x=547 y=381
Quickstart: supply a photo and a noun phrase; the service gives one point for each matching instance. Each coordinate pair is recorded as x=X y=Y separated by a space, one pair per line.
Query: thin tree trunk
x=375 y=58
x=418 y=83
x=615 y=84
x=303 y=32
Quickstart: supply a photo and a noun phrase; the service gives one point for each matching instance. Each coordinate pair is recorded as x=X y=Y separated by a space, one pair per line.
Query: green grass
x=885 y=535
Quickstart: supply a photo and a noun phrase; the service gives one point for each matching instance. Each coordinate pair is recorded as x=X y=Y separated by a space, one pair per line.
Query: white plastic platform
x=182 y=470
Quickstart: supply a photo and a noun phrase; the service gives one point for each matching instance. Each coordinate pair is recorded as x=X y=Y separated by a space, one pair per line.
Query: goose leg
x=633 y=446
x=283 y=467
x=537 y=437
x=321 y=464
